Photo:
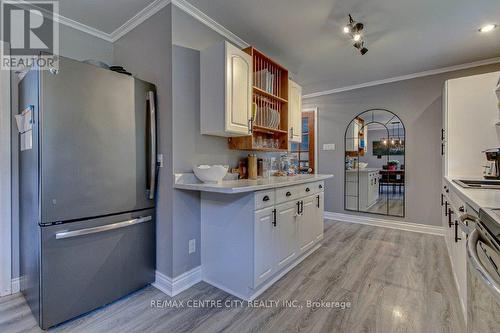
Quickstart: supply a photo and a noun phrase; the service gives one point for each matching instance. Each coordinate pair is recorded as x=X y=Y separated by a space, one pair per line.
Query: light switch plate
x=192 y=246
x=159 y=160
x=329 y=146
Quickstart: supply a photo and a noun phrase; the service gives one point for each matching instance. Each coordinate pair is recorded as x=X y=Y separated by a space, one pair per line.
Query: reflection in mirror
x=375 y=164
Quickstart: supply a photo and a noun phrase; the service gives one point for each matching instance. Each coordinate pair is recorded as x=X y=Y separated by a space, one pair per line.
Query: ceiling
x=104 y=15
x=403 y=36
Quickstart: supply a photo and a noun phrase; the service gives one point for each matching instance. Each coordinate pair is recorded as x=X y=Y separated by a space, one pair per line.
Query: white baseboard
x=16 y=285
x=393 y=224
x=174 y=286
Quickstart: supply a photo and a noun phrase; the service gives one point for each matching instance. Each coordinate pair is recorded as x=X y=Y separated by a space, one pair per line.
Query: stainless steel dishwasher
x=483 y=273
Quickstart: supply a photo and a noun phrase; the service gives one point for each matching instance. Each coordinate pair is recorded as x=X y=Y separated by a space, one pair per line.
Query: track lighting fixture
x=354 y=30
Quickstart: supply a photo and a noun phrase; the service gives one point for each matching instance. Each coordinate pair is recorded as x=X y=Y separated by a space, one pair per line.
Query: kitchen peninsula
x=254 y=231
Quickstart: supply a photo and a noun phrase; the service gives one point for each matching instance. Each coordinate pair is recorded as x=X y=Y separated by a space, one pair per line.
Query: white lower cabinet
x=284 y=232
x=455 y=239
x=251 y=240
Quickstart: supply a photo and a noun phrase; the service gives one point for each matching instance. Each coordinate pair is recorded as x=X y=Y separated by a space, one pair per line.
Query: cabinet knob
x=461 y=209
x=308 y=189
x=266 y=198
x=320 y=186
x=288 y=194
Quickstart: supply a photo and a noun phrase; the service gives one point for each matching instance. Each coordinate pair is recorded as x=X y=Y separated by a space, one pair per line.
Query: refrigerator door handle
x=87 y=231
x=152 y=118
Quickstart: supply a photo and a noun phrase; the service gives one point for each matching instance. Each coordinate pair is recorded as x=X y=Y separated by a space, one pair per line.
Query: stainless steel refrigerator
x=87 y=189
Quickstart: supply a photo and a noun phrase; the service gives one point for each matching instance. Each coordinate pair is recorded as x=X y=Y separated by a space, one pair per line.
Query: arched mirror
x=375 y=164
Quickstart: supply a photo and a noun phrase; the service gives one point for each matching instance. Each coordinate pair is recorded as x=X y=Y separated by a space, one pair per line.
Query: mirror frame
x=345 y=159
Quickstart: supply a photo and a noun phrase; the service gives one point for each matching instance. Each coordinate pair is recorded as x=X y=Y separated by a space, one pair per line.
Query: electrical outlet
x=329 y=146
x=159 y=160
x=192 y=246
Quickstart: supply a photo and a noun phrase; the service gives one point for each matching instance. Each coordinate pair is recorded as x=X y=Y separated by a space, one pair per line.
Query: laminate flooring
x=388 y=203
x=370 y=280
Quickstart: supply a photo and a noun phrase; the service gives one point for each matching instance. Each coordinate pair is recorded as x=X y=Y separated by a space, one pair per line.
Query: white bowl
x=210 y=173
x=362 y=165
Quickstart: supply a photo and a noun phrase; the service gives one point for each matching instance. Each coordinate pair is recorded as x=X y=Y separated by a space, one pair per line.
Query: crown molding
x=404 y=77
x=140 y=17
x=151 y=9
x=208 y=21
x=66 y=21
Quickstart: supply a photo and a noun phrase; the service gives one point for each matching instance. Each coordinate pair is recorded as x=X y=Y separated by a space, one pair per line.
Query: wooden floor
x=396 y=281
x=388 y=203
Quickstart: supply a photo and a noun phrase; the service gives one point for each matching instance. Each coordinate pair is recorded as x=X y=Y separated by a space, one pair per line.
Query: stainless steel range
x=483 y=275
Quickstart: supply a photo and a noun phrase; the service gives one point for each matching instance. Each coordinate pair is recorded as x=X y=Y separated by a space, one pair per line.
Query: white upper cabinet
x=294 y=112
x=226 y=91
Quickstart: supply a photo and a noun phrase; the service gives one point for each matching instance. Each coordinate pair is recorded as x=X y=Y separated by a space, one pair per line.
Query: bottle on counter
x=252 y=166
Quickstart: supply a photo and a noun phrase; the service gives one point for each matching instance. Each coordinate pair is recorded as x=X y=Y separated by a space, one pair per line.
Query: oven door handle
x=481 y=271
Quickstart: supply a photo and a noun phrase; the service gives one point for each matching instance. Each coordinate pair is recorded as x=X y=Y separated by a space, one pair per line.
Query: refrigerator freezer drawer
x=91 y=263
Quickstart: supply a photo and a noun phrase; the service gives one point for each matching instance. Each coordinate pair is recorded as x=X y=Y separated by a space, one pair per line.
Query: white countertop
x=363 y=170
x=475 y=197
x=188 y=181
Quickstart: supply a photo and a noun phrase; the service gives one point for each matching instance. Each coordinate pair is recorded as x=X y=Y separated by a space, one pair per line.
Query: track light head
x=353 y=29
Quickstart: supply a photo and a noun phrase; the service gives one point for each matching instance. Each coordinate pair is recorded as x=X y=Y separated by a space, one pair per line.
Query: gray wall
x=190 y=148
x=73 y=44
x=418 y=102
x=146 y=52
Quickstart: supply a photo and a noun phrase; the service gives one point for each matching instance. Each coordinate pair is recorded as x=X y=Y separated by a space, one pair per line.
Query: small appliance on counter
x=492 y=166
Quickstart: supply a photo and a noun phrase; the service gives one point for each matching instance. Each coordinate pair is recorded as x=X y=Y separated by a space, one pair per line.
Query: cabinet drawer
x=284 y=194
x=351 y=176
x=314 y=188
x=264 y=199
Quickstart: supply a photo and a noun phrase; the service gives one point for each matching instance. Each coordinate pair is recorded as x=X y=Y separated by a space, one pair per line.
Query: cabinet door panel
x=264 y=258
x=239 y=90
x=306 y=223
x=295 y=112
x=286 y=233
x=318 y=221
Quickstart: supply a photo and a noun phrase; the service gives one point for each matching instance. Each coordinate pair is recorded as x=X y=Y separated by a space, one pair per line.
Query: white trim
x=400 y=225
x=405 y=77
x=138 y=18
x=316 y=137
x=174 y=286
x=66 y=21
x=15 y=285
x=185 y=6
x=209 y=22
x=5 y=183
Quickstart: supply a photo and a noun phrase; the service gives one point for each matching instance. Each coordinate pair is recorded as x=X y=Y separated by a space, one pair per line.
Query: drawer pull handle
x=274 y=217
x=308 y=189
x=266 y=198
x=88 y=231
x=288 y=194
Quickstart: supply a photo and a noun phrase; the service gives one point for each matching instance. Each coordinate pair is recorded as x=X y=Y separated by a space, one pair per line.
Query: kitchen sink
x=482 y=184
